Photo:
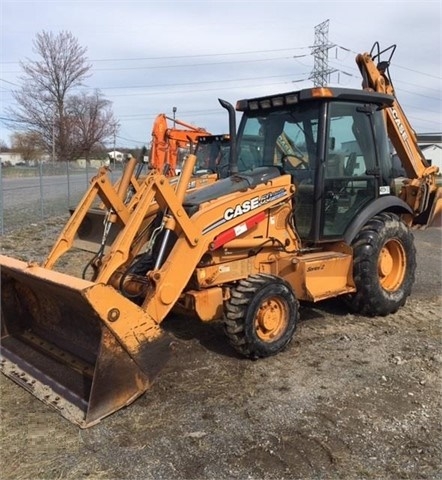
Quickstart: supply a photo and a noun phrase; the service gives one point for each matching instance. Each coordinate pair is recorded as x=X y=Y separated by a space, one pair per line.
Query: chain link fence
x=29 y=194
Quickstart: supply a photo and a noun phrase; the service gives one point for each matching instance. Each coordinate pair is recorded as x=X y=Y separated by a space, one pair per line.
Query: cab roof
x=317 y=93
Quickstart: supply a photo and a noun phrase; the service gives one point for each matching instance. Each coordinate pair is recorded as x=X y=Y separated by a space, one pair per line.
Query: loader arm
x=117 y=212
x=160 y=190
x=420 y=191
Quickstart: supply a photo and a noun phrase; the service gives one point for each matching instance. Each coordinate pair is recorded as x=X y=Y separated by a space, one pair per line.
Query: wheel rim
x=271 y=319
x=392 y=265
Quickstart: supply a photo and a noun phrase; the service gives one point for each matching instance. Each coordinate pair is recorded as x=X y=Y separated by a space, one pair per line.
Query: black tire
x=261 y=315
x=384 y=266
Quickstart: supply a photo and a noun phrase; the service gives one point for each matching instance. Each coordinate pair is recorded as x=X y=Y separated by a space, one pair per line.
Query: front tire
x=384 y=265
x=261 y=315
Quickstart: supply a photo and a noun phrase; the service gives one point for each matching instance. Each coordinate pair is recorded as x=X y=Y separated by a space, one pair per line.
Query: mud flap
x=80 y=347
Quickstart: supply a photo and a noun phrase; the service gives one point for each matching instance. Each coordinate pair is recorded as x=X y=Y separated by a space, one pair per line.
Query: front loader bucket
x=80 y=347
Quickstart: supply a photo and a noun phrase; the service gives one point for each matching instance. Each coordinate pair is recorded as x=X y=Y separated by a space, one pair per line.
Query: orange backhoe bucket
x=79 y=346
x=432 y=216
x=435 y=217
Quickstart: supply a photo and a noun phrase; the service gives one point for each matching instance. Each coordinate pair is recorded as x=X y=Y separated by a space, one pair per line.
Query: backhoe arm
x=420 y=190
x=167 y=140
x=401 y=133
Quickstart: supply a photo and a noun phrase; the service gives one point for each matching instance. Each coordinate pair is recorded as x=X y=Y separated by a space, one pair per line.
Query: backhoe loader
x=313 y=217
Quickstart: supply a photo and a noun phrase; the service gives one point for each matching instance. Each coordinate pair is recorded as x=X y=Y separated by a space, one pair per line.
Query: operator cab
x=212 y=155
x=333 y=143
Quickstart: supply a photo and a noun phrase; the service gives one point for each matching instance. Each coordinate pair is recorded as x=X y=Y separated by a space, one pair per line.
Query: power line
x=192 y=65
x=132 y=140
x=11 y=83
x=183 y=65
x=340 y=70
x=199 y=55
x=187 y=113
x=200 y=90
x=394 y=64
x=183 y=84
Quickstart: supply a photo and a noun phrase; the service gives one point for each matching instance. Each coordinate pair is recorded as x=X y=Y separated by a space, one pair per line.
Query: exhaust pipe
x=233 y=164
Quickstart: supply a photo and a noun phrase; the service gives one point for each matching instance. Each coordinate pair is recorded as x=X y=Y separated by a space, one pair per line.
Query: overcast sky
x=150 y=56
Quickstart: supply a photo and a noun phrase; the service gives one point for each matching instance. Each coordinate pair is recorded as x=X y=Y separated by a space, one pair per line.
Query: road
x=25 y=190
x=25 y=200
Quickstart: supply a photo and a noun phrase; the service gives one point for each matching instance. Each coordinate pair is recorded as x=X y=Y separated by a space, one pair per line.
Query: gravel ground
x=351 y=398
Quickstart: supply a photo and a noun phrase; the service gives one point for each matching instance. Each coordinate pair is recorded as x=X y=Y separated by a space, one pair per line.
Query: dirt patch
x=350 y=398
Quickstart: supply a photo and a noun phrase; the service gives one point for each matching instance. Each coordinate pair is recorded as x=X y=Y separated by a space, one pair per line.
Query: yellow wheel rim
x=271 y=320
x=392 y=265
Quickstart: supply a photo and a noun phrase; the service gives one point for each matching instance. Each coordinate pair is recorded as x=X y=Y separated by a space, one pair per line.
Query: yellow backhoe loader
x=313 y=217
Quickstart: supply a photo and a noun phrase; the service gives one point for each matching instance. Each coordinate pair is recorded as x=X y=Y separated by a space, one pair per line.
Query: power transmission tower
x=321 y=71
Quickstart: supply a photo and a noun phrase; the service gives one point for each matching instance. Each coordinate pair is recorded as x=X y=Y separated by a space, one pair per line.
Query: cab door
x=351 y=176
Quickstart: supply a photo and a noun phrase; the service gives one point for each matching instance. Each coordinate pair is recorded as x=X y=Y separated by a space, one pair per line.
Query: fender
x=388 y=203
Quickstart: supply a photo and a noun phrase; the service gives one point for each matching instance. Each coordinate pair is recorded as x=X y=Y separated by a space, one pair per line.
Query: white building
x=116 y=156
x=431 y=146
x=10 y=159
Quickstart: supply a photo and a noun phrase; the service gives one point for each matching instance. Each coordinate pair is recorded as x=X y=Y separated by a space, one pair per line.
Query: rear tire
x=384 y=266
x=261 y=315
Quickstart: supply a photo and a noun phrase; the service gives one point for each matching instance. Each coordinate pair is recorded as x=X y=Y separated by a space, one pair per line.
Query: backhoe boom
x=420 y=190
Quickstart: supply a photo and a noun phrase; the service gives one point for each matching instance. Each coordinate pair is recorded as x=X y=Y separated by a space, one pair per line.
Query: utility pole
x=53 y=139
x=321 y=71
x=115 y=142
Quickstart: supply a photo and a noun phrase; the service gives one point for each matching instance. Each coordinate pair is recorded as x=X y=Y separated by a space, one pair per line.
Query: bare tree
x=91 y=122
x=28 y=145
x=47 y=92
x=3 y=146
